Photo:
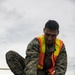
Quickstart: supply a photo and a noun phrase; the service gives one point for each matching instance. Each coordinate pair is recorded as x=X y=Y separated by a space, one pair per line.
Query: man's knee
x=10 y=54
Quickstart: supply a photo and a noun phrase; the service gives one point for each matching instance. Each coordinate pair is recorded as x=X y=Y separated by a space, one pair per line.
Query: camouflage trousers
x=16 y=64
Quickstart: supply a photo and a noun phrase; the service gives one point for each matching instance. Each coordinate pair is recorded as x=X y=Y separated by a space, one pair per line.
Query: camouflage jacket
x=31 y=59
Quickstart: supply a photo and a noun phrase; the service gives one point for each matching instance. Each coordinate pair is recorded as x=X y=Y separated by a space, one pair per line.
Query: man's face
x=50 y=35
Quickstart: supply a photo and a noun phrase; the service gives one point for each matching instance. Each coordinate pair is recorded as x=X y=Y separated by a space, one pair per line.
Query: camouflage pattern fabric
x=15 y=62
x=28 y=65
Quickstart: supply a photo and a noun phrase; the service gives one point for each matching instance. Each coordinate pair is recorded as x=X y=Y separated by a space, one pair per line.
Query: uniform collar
x=51 y=48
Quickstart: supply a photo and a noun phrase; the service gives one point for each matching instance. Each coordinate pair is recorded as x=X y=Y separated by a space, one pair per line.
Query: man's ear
x=57 y=32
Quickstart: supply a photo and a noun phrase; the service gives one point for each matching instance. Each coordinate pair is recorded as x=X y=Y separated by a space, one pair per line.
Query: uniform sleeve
x=61 y=62
x=31 y=59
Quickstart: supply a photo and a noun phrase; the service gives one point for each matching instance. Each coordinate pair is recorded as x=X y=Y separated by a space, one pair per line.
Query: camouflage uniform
x=28 y=66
